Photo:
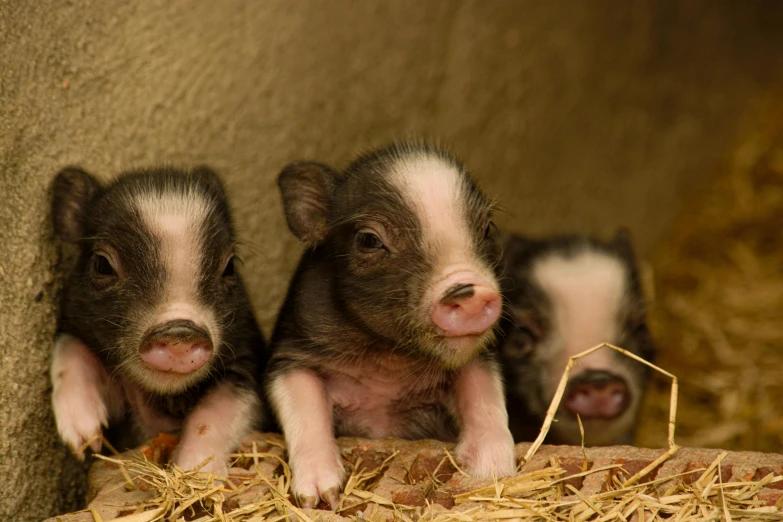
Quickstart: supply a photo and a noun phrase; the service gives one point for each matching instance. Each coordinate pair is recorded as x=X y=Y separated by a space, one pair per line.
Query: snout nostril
x=598 y=379
x=597 y=394
x=177 y=332
x=457 y=293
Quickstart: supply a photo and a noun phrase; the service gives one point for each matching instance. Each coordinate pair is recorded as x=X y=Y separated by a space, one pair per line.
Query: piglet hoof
x=312 y=481
x=487 y=455
x=332 y=497
x=80 y=414
x=307 y=501
x=191 y=459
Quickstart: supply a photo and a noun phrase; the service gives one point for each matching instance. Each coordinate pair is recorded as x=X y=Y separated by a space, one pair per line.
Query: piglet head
x=565 y=295
x=156 y=284
x=411 y=242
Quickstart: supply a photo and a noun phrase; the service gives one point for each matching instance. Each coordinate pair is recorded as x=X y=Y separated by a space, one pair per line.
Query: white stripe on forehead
x=586 y=292
x=177 y=219
x=435 y=190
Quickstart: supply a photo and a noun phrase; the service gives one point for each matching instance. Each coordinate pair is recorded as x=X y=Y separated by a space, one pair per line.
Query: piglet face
x=411 y=241
x=156 y=280
x=567 y=295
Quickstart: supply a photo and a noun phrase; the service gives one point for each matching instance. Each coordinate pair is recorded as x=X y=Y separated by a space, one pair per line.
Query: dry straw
x=717 y=315
x=543 y=494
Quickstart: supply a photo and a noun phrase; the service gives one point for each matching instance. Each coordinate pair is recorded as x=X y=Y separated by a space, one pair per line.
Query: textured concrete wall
x=578 y=115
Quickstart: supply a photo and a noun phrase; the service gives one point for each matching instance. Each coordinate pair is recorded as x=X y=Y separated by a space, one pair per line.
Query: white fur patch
x=436 y=192
x=586 y=293
x=177 y=219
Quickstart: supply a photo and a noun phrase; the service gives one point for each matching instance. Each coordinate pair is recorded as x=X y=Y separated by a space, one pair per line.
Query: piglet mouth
x=178 y=346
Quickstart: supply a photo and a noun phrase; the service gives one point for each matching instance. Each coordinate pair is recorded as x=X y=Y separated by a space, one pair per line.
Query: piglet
x=388 y=323
x=564 y=295
x=155 y=331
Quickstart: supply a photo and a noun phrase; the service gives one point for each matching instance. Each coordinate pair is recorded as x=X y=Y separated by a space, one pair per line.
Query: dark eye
x=102 y=266
x=638 y=327
x=490 y=230
x=230 y=269
x=520 y=343
x=369 y=241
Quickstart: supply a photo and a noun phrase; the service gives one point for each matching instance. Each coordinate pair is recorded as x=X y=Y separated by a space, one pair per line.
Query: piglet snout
x=178 y=346
x=465 y=305
x=597 y=394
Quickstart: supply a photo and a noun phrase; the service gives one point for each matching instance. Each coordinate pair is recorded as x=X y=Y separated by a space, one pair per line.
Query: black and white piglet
x=386 y=327
x=565 y=295
x=156 y=332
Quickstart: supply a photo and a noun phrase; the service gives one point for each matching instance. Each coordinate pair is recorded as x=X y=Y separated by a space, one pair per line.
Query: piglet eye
x=521 y=343
x=490 y=230
x=102 y=266
x=369 y=241
x=230 y=269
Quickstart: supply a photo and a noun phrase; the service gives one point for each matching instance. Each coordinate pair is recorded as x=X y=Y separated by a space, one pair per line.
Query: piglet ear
x=210 y=179
x=307 y=189
x=516 y=247
x=72 y=191
x=622 y=244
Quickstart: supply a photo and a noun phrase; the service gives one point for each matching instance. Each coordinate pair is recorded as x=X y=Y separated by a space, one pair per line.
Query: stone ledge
x=408 y=477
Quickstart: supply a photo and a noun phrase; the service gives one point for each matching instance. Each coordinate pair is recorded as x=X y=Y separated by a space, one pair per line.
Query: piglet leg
x=486 y=446
x=215 y=427
x=82 y=396
x=302 y=407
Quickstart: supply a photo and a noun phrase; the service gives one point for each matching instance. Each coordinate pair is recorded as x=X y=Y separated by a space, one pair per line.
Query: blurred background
x=663 y=116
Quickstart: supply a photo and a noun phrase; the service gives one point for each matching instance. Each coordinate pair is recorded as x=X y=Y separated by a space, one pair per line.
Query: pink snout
x=176 y=346
x=465 y=305
x=597 y=394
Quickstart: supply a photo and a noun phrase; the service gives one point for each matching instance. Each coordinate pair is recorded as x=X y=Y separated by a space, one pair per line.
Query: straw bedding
x=718 y=313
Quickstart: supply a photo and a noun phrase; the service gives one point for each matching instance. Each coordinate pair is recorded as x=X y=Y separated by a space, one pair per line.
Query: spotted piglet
x=156 y=332
x=389 y=318
x=565 y=295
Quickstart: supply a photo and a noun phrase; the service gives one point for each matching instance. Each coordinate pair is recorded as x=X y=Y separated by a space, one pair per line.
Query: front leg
x=83 y=395
x=485 y=446
x=300 y=403
x=215 y=427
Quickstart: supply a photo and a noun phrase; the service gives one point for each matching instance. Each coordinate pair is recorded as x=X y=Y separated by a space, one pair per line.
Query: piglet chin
x=183 y=358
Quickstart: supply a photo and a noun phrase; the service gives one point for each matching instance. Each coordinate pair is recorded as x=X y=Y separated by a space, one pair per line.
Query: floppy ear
x=211 y=179
x=516 y=247
x=621 y=243
x=308 y=190
x=72 y=191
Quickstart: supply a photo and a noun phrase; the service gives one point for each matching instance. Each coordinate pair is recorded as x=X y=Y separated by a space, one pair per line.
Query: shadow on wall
x=578 y=116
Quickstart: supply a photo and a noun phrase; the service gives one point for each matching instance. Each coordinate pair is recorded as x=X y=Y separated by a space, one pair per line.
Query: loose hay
x=718 y=317
x=258 y=489
x=537 y=495
x=558 y=397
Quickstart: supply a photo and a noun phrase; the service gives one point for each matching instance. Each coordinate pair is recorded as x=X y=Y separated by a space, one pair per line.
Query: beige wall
x=577 y=115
